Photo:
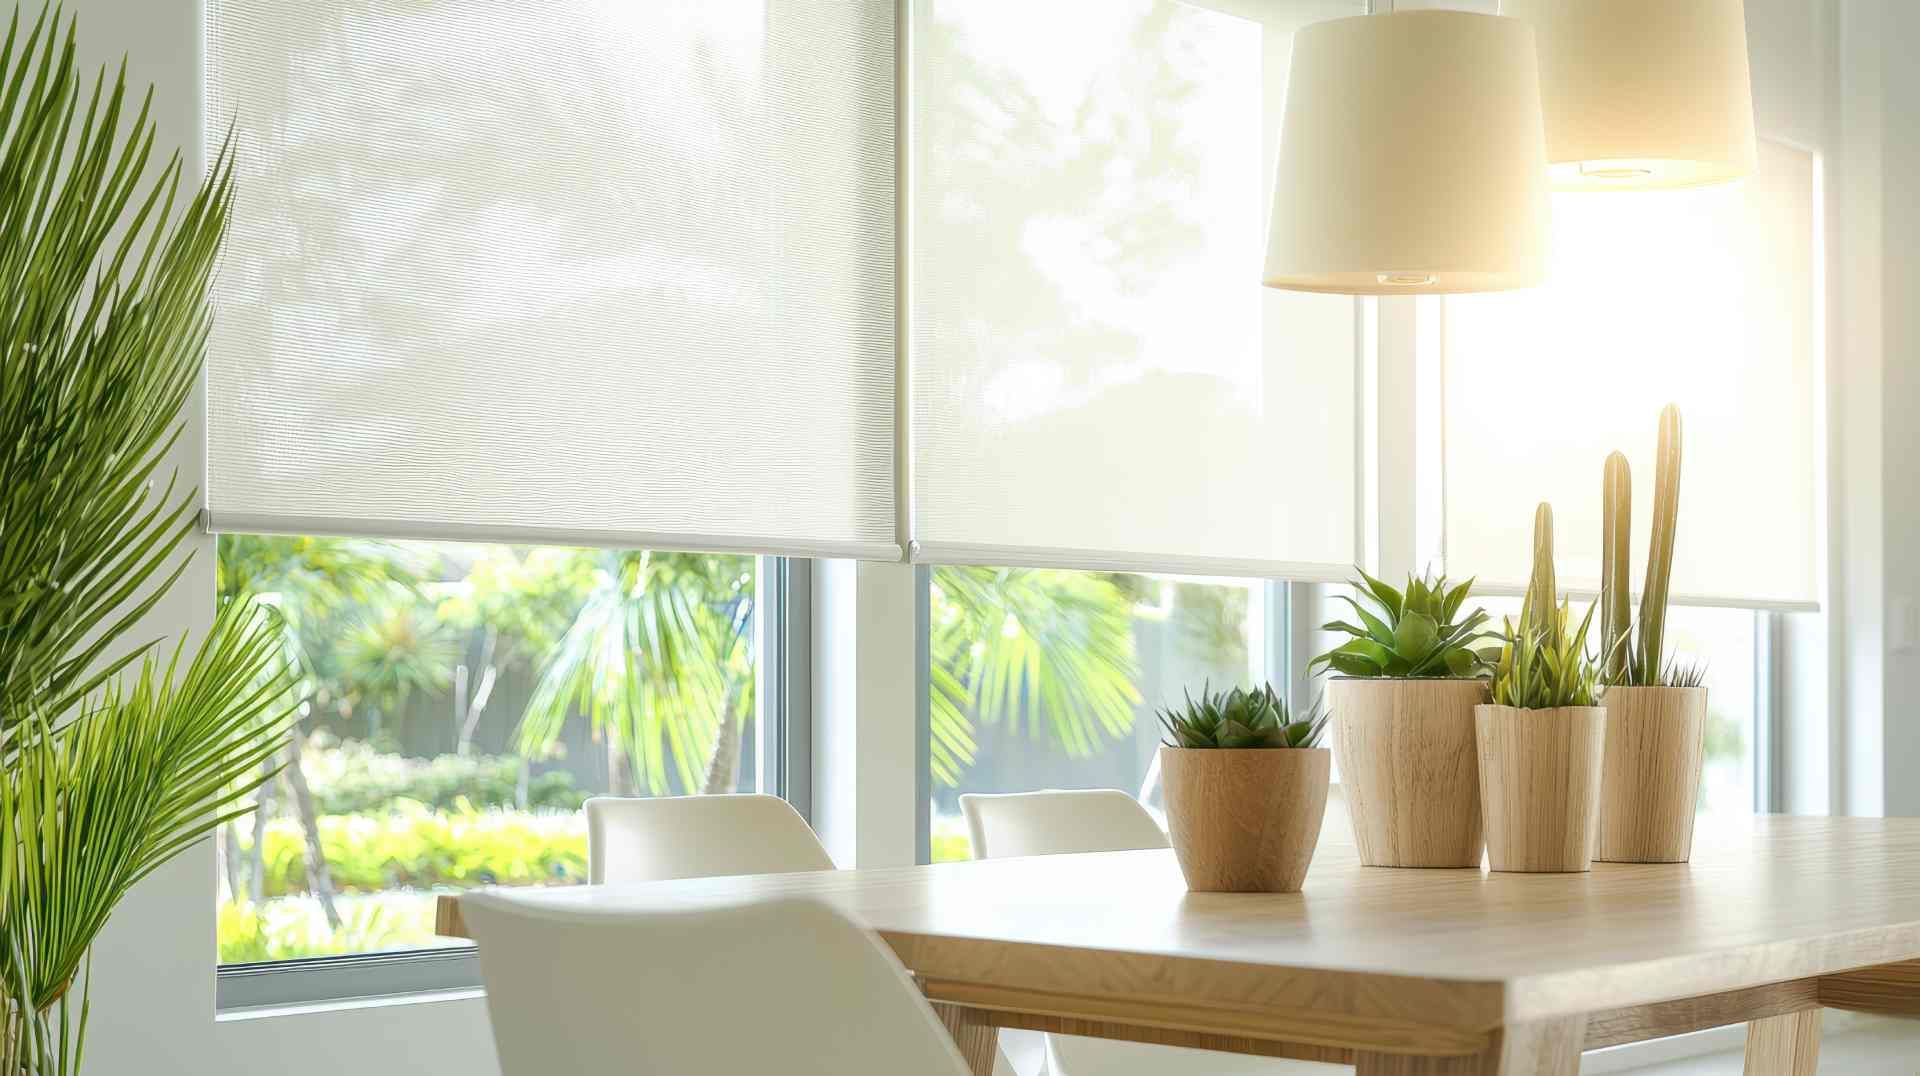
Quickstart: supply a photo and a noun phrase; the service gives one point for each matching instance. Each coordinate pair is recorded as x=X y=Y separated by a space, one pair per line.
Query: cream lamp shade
x=1643 y=94
x=1412 y=158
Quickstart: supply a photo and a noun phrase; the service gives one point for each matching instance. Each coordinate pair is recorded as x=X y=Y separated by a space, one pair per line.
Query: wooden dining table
x=1405 y=972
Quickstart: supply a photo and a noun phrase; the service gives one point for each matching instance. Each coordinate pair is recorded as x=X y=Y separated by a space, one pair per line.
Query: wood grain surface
x=1245 y=821
x=1409 y=766
x=1784 y=1045
x=1650 y=781
x=1385 y=960
x=1540 y=785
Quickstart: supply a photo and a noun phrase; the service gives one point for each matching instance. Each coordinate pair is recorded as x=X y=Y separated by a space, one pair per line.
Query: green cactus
x=1544 y=662
x=1616 y=587
x=1543 y=590
x=1648 y=663
x=1629 y=656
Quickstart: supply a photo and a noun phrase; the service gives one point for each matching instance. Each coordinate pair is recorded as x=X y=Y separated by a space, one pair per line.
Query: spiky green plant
x=1544 y=663
x=1542 y=669
x=90 y=808
x=1639 y=657
x=1241 y=718
x=94 y=376
x=103 y=328
x=1420 y=632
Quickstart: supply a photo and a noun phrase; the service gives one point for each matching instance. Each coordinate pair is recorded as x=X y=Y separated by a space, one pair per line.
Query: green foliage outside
x=296 y=928
x=353 y=778
x=422 y=849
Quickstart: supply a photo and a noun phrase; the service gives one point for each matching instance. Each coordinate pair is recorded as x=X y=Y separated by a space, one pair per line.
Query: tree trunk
x=467 y=710
x=723 y=767
x=228 y=840
x=319 y=878
x=257 y=855
x=619 y=770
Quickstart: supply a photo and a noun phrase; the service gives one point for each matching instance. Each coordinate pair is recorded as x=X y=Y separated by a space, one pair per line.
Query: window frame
x=783 y=746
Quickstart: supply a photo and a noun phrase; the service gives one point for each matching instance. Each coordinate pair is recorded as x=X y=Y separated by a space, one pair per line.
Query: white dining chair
x=1057 y=822
x=651 y=840
x=782 y=988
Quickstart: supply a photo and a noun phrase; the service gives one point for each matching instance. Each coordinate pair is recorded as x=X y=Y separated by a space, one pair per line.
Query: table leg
x=979 y=1041
x=1548 y=1048
x=1784 y=1045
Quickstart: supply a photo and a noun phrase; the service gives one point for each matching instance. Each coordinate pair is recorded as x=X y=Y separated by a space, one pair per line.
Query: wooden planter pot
x=1540 y=785
x=1650 y=786
x=1410 y=769
x=1245 y=821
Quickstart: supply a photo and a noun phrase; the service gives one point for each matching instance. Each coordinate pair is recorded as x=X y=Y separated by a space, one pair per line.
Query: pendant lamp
x=1412 y=158
x=1643 y=94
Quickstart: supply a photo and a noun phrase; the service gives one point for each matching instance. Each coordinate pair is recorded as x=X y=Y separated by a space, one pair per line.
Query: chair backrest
x=781 y=986
x=1055 y=822
x=650 y=840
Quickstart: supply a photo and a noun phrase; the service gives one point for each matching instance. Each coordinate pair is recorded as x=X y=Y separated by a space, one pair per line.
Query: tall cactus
x=1666 y=512
x=1543 y=592
x=1616 y=588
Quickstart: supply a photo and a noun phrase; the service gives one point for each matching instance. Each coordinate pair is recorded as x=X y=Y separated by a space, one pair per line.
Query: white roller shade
x=588 y=271
x=1706 y=298
x=1098 y=378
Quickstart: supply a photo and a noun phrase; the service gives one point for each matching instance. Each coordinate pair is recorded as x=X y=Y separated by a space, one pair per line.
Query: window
x=461 y=701
x=1050 y=679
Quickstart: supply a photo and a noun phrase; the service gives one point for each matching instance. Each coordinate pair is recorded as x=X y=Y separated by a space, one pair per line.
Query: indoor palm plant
x=1246 y=785
x=103 y=325
x=1656 y=706
x=1403 y=693
x=1541 y=737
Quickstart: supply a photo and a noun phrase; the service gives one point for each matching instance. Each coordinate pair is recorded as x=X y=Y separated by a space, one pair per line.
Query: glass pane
x=1050 y=679
x=460 y=702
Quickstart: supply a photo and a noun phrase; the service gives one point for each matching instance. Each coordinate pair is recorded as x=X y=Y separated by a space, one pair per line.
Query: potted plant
x=1542 y=737
x=1246 y=790
x=1402 y=704
x=104 y=777
x=1656 y=707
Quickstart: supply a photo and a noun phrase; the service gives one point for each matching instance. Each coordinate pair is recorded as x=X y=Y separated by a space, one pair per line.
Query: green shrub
x=353 y=778
x=294 y=927
x=411 y=847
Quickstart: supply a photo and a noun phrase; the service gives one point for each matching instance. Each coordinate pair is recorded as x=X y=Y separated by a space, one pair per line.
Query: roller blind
x=1705 y=298
x=1098 y=379
x=580 y=271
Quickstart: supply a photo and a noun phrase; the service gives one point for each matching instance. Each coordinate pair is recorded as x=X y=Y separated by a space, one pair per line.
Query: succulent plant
x=1629 y=657
x=1417 y=633
x=1544 y=663
x=1241 y=718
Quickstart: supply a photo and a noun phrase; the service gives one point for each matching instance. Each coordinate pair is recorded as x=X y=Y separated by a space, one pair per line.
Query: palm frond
x=647 y=661
x=89 y=808
x=103 y=326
